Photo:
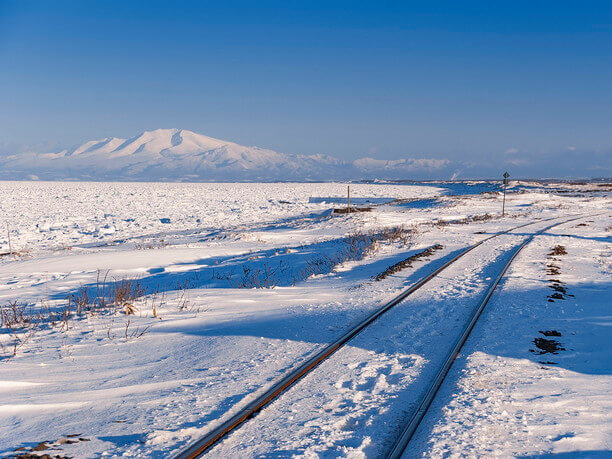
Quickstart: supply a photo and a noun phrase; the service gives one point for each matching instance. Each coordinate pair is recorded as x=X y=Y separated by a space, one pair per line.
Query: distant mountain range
x=181 y=155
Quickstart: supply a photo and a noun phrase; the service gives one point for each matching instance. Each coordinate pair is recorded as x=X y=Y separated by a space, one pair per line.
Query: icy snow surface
x=241 y=282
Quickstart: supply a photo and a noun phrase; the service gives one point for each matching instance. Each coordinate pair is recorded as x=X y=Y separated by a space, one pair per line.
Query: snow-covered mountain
x=178 y=154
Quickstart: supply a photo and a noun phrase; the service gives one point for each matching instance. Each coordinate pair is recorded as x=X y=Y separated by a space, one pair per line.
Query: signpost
x=506 y=175
x=348 y=199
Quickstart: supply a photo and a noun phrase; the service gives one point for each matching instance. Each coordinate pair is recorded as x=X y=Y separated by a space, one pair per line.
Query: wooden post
x=8 y=233
x=348 y=199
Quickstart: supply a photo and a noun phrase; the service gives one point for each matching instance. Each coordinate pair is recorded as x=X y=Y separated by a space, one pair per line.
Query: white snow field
x=138 y=316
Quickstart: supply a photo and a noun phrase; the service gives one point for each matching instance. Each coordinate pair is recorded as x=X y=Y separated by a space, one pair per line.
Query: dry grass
x=20 y=321
x=265 y=277
x=463 y=221
x=357 y=246
x=13 y=315
x=156 y=244
x=404 y=235
x=407 y=263
x=121 y=294
x=353 y=247
x=125 y=292
x=24 y=253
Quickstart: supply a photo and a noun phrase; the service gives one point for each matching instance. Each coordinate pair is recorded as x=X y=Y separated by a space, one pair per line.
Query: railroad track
x=210 y=439
x=403 y=440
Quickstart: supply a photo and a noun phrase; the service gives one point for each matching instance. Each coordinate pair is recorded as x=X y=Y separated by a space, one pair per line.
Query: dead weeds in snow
x=464 y=221
x=354 y=246
x=20 y=322
x=358 y=245
x=151 y=245
x=407 y=263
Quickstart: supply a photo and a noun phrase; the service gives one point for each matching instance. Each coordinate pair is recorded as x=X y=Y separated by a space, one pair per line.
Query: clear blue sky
x=467 y=81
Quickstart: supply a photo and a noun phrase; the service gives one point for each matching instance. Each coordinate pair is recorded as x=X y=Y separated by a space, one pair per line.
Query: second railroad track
x=203 y=444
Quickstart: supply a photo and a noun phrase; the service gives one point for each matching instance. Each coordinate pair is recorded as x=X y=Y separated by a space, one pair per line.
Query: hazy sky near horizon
x=520 y=84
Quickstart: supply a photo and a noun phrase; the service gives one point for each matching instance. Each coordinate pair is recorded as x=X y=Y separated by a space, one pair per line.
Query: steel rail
x=415 y=420
x=207 y=441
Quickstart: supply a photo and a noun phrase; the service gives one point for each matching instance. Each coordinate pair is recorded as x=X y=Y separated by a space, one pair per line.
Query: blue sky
x=488 y=85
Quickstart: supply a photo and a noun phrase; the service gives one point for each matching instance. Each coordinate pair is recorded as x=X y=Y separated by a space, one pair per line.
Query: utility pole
x=8 y=234
x=506 y=175
x=348 y=199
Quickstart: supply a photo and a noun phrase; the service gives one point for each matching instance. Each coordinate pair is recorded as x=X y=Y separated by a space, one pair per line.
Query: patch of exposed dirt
x=32 y=452
x=558 y=250
x=546 y=346
x=559 y=290
x=550 y=332
x=39 y=456
x=553 y=269
x=346 y=210
x=407 y=263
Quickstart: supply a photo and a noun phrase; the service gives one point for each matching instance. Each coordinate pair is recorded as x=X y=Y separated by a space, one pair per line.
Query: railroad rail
x=207 y=441
x=409 y=430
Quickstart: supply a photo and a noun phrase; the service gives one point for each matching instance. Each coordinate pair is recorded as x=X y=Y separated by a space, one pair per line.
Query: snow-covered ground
x=535 y=379
x=233 y=284
x=61 y=216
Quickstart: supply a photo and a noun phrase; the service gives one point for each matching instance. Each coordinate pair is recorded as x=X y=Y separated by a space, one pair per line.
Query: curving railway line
x=206 y=442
